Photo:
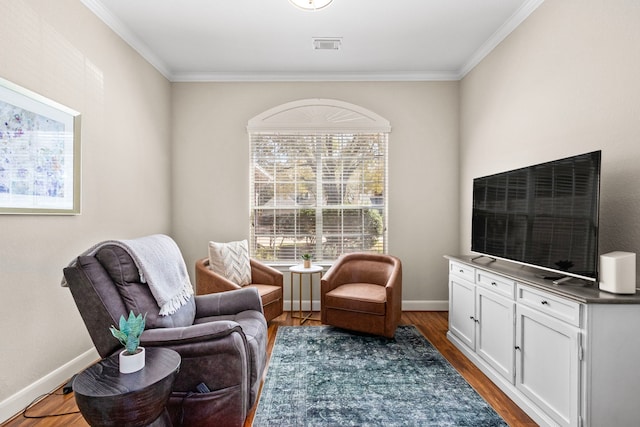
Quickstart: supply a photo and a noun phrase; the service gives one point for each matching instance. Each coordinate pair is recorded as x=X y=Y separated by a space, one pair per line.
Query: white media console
x=568 y=354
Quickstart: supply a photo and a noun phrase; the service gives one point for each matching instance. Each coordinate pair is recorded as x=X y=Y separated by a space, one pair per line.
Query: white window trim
x=322 y=116
x=318 y=115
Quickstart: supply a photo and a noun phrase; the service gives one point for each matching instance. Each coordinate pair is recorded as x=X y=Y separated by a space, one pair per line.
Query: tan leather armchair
x=363 y=292
x=267 y=280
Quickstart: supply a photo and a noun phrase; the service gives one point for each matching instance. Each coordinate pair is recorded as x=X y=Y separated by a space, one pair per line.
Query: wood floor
x=433 y=326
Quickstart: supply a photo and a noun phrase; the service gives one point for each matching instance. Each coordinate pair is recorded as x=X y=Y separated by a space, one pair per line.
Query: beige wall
x=567 y=81
x=62 y=51
x=211 y=167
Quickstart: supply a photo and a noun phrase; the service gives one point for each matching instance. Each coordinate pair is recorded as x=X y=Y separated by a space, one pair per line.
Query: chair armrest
x=394 y=283
x=264 y=275
x=334 y=277
x=215 y=353
x=208 y=281
x=226 y=303
x=163 y=337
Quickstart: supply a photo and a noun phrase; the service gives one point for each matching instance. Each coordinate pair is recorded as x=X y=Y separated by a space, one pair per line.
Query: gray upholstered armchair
x=221 y=337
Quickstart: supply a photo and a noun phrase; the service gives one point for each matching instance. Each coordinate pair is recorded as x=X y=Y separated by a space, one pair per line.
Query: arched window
x=318 y=181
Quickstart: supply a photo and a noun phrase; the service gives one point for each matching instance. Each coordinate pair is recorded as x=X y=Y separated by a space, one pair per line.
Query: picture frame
x=39 y=154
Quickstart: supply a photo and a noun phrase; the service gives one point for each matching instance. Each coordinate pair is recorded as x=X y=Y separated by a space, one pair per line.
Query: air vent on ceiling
x=326 y=43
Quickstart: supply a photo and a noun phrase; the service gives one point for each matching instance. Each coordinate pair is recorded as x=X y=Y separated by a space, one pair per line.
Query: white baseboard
x=16 y=403
x=406 y=305
x=429 y=305
x=305 y=305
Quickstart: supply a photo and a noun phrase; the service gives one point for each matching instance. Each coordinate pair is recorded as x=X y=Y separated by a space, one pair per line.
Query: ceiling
x=271 y=40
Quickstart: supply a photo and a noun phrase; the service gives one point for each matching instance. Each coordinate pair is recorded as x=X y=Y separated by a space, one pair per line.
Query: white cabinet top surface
x=578 y=290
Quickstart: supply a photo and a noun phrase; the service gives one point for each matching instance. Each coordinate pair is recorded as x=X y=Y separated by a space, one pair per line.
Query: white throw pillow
x=231 y=260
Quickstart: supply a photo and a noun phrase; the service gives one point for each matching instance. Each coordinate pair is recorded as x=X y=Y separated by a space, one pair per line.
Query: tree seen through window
x=317 y=193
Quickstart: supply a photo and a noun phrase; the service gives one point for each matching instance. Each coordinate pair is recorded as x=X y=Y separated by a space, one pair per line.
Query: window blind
x=319 y=193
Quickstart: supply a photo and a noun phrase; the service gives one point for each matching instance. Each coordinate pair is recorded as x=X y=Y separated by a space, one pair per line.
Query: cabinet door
x=548 y=365
x=495 y=332
x=462 y=310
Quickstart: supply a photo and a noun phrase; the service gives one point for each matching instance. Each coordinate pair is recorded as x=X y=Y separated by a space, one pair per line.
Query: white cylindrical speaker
x=618 y=272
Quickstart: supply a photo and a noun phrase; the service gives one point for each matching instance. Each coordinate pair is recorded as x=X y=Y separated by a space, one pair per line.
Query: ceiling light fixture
x=310 y=4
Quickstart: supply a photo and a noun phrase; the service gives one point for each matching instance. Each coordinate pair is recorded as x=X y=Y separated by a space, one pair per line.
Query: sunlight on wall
x=39 y=52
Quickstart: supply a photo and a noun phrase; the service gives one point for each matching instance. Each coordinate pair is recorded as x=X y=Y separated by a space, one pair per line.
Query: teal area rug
x=324 y=376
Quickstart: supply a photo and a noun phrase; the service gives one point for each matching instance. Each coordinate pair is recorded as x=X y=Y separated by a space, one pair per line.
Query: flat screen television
x=544 y=216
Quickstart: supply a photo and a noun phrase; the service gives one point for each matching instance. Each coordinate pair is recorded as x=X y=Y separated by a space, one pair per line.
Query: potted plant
x=307 y=260
x=132 y=358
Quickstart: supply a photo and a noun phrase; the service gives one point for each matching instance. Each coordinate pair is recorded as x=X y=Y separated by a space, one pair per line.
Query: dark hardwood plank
x=432 y=324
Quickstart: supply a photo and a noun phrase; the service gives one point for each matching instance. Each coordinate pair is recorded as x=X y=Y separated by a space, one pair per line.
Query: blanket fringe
x=177 y=301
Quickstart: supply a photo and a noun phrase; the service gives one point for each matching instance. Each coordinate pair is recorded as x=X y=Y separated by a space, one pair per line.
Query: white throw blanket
x=160 y=265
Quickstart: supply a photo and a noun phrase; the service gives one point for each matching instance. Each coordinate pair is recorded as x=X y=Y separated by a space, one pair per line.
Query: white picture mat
x=39 y=154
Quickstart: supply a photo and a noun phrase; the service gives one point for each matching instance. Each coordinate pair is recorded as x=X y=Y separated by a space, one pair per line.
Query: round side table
x=106 y=397
x=299 y=270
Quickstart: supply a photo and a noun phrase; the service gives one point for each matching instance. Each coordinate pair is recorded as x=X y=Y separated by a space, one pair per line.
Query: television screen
x=544 y=215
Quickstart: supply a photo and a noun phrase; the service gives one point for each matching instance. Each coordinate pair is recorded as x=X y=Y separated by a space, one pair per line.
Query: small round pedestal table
x=299 y=270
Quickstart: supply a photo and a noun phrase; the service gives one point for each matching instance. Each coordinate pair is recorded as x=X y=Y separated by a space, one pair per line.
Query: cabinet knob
x=517 y=347
x=544 y=302
x=494 y=284
x=461 y=271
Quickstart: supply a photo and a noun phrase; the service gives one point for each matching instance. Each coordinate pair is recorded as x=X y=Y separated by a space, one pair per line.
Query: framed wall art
x=39 y=154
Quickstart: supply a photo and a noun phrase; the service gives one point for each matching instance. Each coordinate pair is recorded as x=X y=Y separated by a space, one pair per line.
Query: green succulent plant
x=305 y=257
x=130 y=331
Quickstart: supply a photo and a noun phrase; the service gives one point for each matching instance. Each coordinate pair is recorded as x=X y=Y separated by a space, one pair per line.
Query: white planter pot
x=132 y=362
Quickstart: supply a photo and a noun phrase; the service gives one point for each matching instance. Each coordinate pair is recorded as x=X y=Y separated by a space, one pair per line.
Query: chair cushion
x=118 y=264
x=361 y=297
x=103 y=285
x=268 y=293
x=137 y=296
x=231 y=261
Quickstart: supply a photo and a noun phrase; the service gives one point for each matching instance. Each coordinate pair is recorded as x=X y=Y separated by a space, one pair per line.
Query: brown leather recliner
x=363 y=292
x=221 y=338
x=267 y=280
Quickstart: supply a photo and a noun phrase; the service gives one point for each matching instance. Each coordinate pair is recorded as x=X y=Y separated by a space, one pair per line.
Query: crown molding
x=127 y=35
x=507 y=28
x=314 y=77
